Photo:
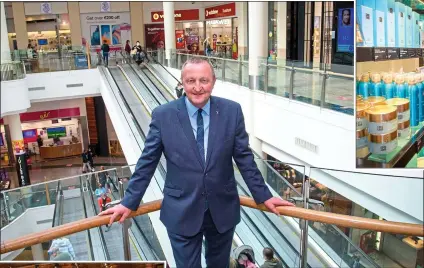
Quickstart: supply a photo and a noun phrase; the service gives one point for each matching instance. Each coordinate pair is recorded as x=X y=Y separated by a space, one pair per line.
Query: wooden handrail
x=307 y=214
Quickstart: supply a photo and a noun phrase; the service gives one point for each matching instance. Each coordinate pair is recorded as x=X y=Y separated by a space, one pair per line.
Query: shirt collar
x=192 y=110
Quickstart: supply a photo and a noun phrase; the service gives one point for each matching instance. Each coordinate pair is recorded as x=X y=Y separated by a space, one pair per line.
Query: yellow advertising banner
x=18 y=145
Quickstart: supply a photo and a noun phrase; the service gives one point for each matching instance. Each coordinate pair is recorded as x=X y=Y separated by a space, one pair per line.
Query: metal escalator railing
x=301 y=213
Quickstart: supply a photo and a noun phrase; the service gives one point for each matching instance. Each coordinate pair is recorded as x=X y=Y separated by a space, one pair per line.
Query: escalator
x=283 y=235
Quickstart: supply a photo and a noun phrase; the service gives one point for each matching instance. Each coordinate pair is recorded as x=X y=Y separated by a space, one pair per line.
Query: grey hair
x=197 y=60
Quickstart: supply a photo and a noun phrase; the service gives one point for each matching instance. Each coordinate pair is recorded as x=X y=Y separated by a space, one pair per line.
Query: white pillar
x=258 y=51
x=169 y=24
x=281 y=74
x=258 y=39
x=37 y=252
x=14 y=122
x=241 y=8
x=317 y=35
x=281 y=30
x=5 y=49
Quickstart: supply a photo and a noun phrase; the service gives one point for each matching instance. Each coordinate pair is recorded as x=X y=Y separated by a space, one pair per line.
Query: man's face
x=198 y=82
x=346 y=17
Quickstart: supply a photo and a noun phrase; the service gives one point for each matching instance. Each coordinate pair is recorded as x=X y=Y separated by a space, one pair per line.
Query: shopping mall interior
x=80 y=119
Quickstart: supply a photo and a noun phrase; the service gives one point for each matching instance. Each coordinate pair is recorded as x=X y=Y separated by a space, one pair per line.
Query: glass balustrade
x=13 y=70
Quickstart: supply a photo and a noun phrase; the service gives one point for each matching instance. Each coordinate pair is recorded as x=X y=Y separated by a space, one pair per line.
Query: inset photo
x=85 y=265
x=390 y=84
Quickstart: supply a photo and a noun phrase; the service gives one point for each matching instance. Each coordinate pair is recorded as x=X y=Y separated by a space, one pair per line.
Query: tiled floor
x=61 y=168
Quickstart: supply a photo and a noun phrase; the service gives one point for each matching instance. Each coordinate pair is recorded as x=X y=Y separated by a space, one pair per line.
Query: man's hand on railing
x=274 y=202
x=116 y=211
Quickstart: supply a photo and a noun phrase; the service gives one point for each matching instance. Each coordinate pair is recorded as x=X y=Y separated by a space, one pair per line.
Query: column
x=281 y=31
x=241 y=8
x=5 y=49
x=317 y=35
x=75 y=23
x=282 y=75
x=14 y=122
x=37 y=252
x=137 y=23
x=169 y=25
x=258 y=46
x=258 y=37
x=19 y=20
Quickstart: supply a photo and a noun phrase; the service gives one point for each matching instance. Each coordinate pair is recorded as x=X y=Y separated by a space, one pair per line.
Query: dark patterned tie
x=200 y=137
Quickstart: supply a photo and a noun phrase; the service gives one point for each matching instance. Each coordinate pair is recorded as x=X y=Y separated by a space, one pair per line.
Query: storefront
x=112 y=28
x=60 y=132
x=219 y=28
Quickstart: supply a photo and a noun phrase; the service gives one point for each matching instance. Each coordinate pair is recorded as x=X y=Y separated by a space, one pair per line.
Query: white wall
x=278 y=121
x=55 y=85
x=27 y=224
x=14 y=97
x=94 y=7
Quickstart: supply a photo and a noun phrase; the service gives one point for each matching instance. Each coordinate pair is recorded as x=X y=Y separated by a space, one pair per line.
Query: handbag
x=133 y=52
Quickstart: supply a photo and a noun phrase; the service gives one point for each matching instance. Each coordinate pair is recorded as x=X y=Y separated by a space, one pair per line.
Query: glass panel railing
x=13 y=70
x=351 y=244
x=16 y=201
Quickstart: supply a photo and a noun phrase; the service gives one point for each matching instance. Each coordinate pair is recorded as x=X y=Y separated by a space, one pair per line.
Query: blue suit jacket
x=188 y=180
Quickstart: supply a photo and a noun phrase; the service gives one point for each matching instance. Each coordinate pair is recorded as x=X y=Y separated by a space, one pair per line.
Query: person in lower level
x=105 y=50
x=270 y=260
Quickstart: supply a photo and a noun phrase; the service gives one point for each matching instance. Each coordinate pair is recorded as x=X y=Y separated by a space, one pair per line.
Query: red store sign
x=179 y=15
x=226 y=10
x=51 y=114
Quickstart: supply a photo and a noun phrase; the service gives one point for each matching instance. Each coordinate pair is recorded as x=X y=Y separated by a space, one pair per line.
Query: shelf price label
x=380 y=54
x=403 y=53
x=392 y=53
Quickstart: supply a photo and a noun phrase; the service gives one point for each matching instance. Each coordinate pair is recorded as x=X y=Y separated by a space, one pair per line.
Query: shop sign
x=51 y=114
x=218 y=22
x=226 y=10
x=46 y=8
x=104 y=6
x=179 y=15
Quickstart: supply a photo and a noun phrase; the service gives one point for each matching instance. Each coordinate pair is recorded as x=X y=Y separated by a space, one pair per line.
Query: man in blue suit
x=199 y=136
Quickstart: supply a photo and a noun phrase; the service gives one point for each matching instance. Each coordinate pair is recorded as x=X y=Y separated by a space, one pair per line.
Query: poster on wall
x=95 y=35
x=345 y=30
x=105 y=34
x=115 y=28
x=193 y=44
x=180 y=40
x=116 y=34
x=155 y=36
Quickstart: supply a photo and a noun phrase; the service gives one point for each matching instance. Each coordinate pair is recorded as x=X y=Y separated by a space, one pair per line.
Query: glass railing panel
x=338 y=88
x=245 y=74
x=349 y=243
x=279 y=79
x=13 y=70
x=232 y=71
x=307 y=84
x=16 y=201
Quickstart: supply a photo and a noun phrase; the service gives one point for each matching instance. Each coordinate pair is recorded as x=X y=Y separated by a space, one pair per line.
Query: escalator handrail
x=302 y=213
x=90 y=242
x=56 y=205
x=153 y=59
x=102 y=237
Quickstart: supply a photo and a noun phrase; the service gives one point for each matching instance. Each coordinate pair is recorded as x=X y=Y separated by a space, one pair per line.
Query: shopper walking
x=105 y=50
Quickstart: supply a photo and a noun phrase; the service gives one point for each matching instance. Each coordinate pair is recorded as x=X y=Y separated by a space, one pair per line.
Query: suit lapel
x=188 y=131
x=213 y=126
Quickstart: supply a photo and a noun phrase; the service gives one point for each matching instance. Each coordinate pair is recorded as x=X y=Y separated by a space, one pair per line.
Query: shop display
x=389 y=113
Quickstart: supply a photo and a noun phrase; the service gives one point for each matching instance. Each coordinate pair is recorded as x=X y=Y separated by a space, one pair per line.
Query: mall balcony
x=303 y=236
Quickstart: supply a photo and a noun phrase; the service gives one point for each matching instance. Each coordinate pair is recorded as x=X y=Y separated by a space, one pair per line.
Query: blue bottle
x=376 y=87
x=400 y=89
x=364 y=86
x=413 y=101
x=420 y=88
x=388 y=86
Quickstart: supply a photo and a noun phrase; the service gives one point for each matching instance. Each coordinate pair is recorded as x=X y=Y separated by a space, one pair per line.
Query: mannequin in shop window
x=207 y=47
